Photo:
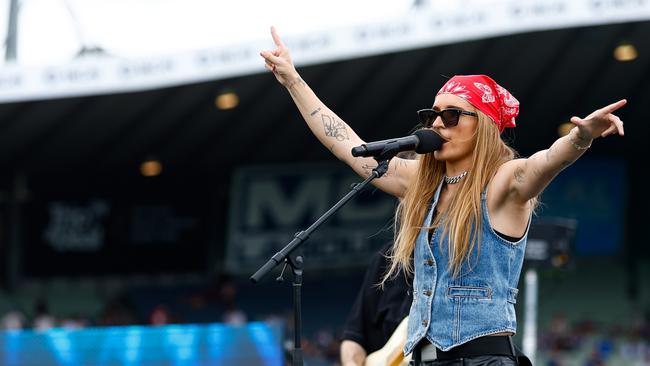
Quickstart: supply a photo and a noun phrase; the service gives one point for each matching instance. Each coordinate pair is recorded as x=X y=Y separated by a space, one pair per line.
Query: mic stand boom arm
x=296 y=261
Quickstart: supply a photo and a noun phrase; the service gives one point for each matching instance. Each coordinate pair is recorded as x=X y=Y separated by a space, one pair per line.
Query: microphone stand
x=295 y=260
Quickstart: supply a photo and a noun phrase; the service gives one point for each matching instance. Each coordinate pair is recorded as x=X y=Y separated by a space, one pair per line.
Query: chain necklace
x=455 y=178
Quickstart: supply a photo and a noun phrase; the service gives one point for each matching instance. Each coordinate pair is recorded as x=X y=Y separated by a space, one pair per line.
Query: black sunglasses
x=449 y=116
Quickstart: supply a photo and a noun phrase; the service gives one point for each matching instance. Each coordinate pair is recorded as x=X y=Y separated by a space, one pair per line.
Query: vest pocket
x=469 y=292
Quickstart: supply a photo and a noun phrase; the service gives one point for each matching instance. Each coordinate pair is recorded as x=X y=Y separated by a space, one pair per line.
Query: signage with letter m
x=269 y=204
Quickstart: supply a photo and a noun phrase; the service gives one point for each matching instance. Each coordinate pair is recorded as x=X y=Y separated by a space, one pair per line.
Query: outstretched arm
x=330 y=129
x=528 y=177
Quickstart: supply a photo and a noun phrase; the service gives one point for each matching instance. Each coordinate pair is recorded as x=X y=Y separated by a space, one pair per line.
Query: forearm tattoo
x=580 y=142
x=314 y=112
x=295 y=82
x=582 y=138
x=335 y=128
x=368 y=168
x=550 y=152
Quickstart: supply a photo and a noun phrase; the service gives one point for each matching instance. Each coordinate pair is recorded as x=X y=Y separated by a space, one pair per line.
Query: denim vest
x=449 y=310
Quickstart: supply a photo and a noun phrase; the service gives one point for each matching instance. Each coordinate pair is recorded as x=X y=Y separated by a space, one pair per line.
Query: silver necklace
x=455 y=178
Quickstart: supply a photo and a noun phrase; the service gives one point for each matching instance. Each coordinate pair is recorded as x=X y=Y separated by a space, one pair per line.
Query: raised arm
x=329 y=128
x=528 y=177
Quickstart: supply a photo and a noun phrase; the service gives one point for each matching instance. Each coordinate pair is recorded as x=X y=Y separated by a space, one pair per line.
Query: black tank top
x=503 y=236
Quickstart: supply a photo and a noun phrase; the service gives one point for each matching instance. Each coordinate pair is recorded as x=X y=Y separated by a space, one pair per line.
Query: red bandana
x=479 y=91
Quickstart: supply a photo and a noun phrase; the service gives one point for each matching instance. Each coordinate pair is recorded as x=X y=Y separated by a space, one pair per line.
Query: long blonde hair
x=464 y=211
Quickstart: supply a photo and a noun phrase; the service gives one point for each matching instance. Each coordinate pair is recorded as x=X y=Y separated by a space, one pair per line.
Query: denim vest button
x=429 y=262
x=424 y=323
x=427 y=293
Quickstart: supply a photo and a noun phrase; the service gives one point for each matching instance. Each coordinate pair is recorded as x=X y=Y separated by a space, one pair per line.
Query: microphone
x=422 y=141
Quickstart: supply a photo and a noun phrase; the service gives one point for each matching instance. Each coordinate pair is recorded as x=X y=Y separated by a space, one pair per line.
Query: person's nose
x=437 y=123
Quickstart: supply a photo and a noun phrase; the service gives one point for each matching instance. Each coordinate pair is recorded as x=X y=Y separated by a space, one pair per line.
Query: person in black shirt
x=376 y=312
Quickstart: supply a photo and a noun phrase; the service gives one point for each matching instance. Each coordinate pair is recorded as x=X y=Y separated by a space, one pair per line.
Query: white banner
x=442 y=23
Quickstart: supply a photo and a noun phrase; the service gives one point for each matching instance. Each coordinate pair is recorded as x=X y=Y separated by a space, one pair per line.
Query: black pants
x=474 y=361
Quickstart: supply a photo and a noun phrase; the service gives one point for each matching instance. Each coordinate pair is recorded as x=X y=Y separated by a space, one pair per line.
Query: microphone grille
x=428 y=141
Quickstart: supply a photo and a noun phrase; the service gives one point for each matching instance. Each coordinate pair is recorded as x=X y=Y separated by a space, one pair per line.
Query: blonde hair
x=464 y=211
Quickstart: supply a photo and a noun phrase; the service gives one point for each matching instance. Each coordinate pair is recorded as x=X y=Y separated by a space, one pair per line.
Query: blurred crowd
x=560 y=342
x=41 y=320
x=591 y=343
x=217 y=299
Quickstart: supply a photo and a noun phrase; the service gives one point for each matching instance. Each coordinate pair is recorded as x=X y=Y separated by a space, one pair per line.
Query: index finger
x=614 y=106
x=276 y=38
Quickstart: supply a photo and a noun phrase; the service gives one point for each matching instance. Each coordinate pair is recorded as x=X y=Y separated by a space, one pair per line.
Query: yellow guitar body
x=391 y=353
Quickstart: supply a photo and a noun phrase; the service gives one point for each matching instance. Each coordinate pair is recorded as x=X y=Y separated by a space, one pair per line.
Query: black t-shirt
x=376 y=313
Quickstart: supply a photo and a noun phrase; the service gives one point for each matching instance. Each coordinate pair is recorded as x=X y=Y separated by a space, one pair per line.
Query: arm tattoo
x=563 y=164
x=519 y=175
x=580 y=142
x=295 y=82
x=334 y=128
x=367 y=168
x=315 y=111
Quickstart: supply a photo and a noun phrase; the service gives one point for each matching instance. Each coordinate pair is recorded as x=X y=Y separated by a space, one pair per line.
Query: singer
x=464 y=210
